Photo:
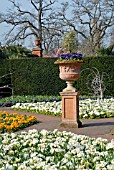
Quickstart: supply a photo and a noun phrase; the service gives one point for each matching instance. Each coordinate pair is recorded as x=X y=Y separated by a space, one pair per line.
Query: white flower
x=110 y=167
x=4 y=141
x=54 y=149
x=110 y=145
x=112 y=162
x=43 y=132
x=34 y=141
x=80 y=154
x=87 y=107
x=11 y=152
x=26 y=155
x=9 y=167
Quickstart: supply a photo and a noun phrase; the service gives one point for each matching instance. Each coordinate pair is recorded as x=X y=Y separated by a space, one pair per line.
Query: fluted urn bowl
x=69 y=71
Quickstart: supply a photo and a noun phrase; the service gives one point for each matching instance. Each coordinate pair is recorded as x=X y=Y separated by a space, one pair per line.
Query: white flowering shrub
x=46 y=150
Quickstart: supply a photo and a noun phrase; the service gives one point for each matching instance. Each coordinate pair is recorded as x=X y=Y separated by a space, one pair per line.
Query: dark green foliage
x=5 y=77
x=106 y=51
x=14 y=52
x=40 y=76
x=2 y=55
x=12 y=100
x=103 y=64
x=35 y=76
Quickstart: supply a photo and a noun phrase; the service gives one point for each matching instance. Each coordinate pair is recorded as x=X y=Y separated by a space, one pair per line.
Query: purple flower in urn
x=70 y=57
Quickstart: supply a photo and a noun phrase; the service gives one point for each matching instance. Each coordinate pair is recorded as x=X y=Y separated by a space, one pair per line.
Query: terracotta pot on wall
x=37 y=43
x=37 y=50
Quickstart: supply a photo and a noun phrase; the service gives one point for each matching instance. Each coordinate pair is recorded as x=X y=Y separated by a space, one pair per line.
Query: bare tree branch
x=95 y=17
x=25 y=23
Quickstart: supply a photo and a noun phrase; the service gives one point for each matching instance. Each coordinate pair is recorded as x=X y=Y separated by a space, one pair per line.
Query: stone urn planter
x=69 y=71
x=69 y=66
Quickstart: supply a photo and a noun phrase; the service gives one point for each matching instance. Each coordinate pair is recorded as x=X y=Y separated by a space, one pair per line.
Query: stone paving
x=91 y=127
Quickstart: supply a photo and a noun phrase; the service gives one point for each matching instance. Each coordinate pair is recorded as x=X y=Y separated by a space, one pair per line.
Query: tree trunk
x=40 y=25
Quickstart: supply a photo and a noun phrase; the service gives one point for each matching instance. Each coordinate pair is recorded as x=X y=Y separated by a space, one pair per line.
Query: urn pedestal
x=70 y=110
x=70 y=71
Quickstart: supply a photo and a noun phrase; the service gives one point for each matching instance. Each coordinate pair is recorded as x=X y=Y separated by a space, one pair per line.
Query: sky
x=4 y=4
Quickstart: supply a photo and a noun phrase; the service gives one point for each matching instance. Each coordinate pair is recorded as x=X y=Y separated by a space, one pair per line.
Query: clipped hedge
x=40 y=76
x=104 y=65
x=4 y=72
x=35 y=76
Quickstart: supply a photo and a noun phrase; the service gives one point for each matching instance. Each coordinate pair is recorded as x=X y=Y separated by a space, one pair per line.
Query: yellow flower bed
x=10 y=122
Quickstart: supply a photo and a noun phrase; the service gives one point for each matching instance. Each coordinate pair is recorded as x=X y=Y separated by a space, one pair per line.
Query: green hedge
x=35 y=76
x=5 y=77
x=104 y=65
x=40 y=76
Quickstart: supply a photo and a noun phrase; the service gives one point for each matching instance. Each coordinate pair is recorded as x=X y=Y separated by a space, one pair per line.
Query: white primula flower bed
x=46 y=150
x=88 y=108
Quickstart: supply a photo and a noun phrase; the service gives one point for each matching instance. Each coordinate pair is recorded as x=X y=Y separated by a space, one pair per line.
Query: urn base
x=70 y=124
x=69 y=87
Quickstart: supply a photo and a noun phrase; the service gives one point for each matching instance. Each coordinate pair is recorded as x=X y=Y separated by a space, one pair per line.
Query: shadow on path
x=98 y=124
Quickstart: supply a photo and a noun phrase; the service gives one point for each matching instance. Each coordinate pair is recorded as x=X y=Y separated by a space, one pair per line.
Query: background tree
x=112 y=36
x=49 y=20
x=25 y=22
x=52 y=37
x=70 y=42
x=90 y=19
